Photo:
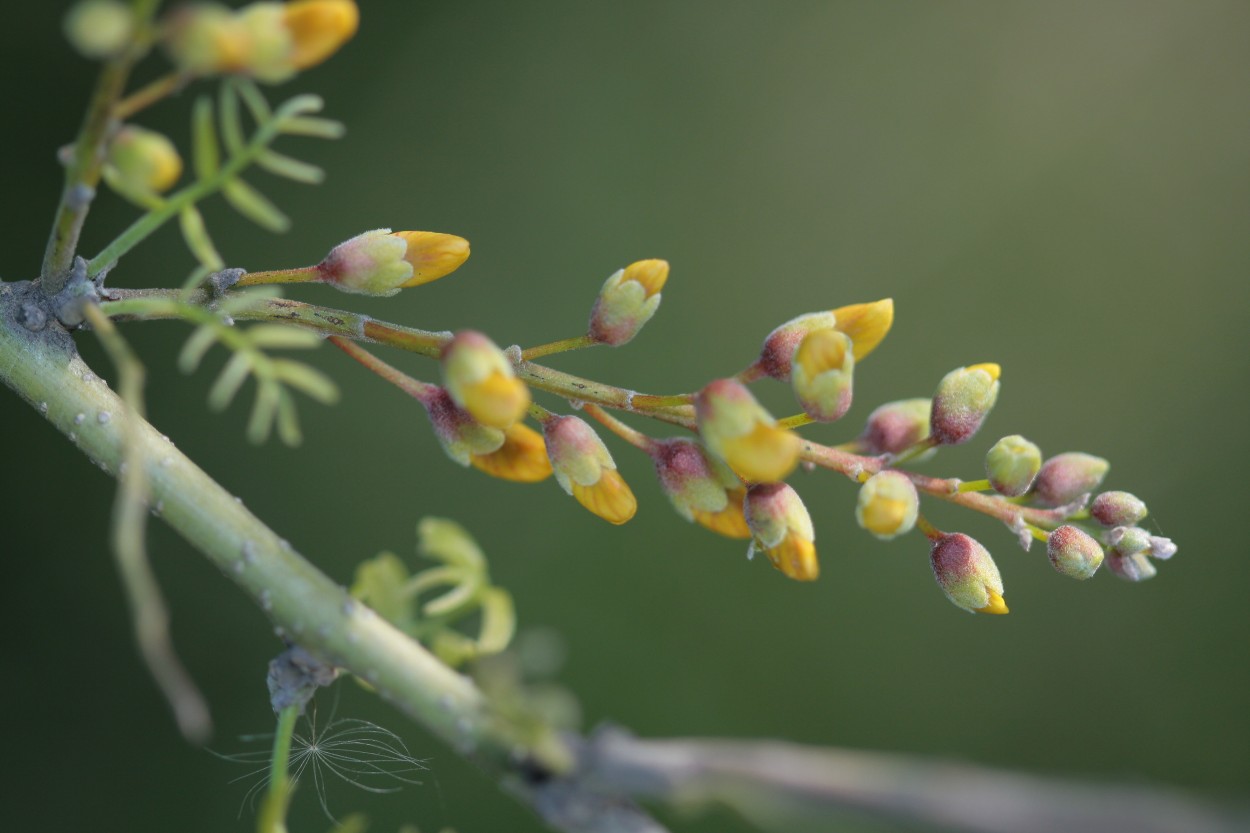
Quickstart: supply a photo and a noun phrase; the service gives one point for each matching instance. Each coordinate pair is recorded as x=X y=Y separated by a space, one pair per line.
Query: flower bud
x=627 y=301
x=700 y=487
x=318 y=29
x=481 y=380
x=896 y=426
x=459 y=433
x=585 y=469
x=1129 y=540
x=99 y=28
x=267 y=40
x=1065 y=477
x=1073 y=553
x=380 y=262
x=781 y=526
x=1118 y=509
x=738 y=430
x=864 y=324
x=888 y=504
x=963 y=399
x=522 y=458
x=822 y=374
x=142 y=161
x=1012 y=464
x=967 y=574
x=1135 y=567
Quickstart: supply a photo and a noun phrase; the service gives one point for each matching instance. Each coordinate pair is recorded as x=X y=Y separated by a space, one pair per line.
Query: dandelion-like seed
x=354 y=751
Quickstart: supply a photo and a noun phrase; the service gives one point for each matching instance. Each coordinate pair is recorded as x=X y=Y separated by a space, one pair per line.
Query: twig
x=130 y=512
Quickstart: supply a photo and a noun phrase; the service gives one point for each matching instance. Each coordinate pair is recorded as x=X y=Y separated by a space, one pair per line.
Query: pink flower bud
x=1117 y=509
x=1065 y=477
x=967 y=574
x=963 y=399
x=896 y=426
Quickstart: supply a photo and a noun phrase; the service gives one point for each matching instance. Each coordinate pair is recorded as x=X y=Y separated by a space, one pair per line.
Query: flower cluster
x=728 y=472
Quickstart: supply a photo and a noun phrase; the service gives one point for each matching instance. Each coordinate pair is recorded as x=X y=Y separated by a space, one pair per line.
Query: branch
x=577 y=785
x=783 y=786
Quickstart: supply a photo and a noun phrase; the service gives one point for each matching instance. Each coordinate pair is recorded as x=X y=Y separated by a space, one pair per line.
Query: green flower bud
x=888 y=504
x=141 y=161
x=99 y=28
x=1012 y=464
x=967 y=574
x=1073 y=552
x=963 y=399
x=700 y=487
x=627 y=301
x=1117 y=509
x=896 y=426
x=1065 y=477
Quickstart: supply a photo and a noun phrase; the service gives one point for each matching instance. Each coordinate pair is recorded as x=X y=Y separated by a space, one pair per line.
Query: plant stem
x=562 y=346
x=82 y=174
x=150 y=94
x=303 y=274
x=282 y=749
x=413 y=387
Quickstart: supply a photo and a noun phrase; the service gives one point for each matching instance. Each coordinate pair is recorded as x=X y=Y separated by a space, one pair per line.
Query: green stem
x=564 y=345
x=148 y=95
x=282 y=749
x=82 y=174
x=620 y=429
x=304 y=274
x=975 y=486
x=795 y=421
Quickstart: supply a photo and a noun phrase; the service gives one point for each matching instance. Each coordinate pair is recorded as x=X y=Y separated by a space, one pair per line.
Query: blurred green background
x=1060 y=187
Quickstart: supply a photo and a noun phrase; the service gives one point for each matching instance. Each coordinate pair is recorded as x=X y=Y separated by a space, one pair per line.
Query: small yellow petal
x=499 y=400
x=318 y=28
x=996 y=605
x=866 y=324
x=522 y=458
x=729 y=521
x=989 y=367
x=883 y=516
x=432 y=254
x=796 y=558
x=650 y=273
x=610 y=497
x=764 y=455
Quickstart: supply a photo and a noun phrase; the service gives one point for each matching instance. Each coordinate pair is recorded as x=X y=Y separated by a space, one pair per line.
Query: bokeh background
x=1060 y=187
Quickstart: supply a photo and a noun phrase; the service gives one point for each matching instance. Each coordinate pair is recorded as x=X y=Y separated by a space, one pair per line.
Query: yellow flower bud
x=381 y=262
x=432 y=254
x=822 y=374
x=319 y=28
x=627 y=301
x=738 y=430
x=782 y=528
x=866 y=324
x=730 y=521
x=522 y=458
x=142 y=161
x=584 y=468
x=888 y=504
x=206 y=39
x=481 y=380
